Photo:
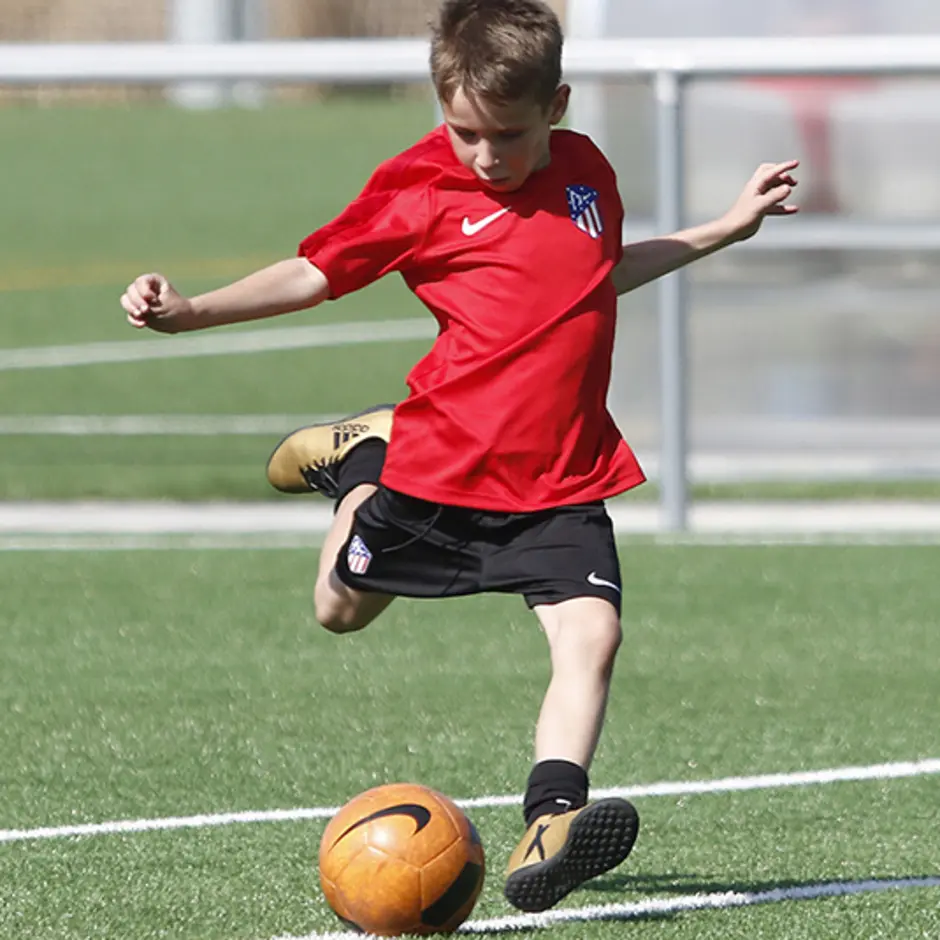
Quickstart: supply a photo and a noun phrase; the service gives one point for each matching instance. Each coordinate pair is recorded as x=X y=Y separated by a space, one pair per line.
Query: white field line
x=893 y=771
x=281 y=541
x=777 y=440
x=258 y=541
x=766 y=521
x=217 y=344
x=154 y=425
x=658 y=907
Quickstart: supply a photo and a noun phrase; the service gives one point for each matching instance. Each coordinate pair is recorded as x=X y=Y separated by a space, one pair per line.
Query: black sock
x=363 y=464
x=555 y=786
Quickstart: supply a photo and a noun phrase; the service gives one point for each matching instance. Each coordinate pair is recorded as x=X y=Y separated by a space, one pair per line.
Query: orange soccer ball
x=401 y=858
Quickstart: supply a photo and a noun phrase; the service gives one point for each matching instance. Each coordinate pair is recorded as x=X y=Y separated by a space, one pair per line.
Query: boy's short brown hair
x=497 y=50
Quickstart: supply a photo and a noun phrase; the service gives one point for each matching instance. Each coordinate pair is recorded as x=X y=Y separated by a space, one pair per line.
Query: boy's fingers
x=138 y=303
x=775 y=196
x=150 y=286
x=143 y=296
x=781 y=178
x=140 y=300
x=776 y=169
x=768 y=172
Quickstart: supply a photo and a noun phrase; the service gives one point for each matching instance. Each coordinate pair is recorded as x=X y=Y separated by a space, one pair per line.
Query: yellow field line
x=119 y=273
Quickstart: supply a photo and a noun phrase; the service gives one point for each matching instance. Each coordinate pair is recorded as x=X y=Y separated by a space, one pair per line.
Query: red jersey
x=508 y=410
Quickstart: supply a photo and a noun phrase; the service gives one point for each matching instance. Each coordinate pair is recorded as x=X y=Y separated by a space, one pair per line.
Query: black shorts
x=408 y=547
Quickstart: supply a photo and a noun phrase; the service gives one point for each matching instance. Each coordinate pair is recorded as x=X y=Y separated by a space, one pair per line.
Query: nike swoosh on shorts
x=592 y=578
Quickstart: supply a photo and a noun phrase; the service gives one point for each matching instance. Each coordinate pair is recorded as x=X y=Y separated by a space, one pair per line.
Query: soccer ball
x=401 y=858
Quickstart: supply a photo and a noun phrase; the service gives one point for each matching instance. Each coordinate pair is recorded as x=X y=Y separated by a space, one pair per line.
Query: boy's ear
x=559 y=105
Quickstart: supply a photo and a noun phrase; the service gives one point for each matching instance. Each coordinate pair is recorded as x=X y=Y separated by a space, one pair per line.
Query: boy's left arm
x=766 y=193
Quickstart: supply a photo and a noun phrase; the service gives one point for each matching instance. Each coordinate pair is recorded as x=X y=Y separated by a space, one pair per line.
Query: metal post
x=587 y=19
x=670 y=199
x=249 y=23
x=199 y=21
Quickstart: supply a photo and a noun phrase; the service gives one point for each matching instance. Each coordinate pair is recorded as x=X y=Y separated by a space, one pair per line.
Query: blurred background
x=812 y=370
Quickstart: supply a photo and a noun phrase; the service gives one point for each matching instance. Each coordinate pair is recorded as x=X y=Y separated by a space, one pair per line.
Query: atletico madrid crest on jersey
x=358 y=556
x=585 y=212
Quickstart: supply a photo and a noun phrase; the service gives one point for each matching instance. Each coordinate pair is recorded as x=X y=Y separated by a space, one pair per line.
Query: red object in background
x=811 y=98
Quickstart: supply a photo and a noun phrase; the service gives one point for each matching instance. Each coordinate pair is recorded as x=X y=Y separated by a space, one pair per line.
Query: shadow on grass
x=687 y=893
x=629 y=885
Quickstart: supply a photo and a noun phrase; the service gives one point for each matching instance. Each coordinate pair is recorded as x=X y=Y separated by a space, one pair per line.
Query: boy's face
x=503 y=144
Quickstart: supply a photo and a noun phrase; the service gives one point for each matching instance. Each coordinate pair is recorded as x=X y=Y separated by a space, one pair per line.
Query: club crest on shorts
x=358 y=556
x=585 y=212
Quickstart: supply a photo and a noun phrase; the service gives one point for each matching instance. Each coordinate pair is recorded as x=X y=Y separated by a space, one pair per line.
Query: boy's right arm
x=293 y=284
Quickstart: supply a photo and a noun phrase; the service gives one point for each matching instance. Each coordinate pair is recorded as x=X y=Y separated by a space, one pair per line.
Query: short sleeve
x=379 y=232
x=617 y=201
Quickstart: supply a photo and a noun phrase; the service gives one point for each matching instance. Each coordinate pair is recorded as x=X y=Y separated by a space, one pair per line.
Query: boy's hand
x=765 y=194
x=152 y=301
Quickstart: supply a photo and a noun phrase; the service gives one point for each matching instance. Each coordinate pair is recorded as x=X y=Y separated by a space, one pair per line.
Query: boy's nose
x=487 y=158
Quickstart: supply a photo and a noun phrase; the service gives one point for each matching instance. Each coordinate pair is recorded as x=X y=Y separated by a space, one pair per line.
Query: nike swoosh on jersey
x=592 y=578
x=472 y=228
x=420 y=814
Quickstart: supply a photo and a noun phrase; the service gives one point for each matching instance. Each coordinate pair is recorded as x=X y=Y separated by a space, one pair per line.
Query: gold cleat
x=559 y=853
x=307 y=459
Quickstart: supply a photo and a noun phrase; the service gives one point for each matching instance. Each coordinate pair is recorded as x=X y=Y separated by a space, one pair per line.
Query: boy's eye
x=470 y=137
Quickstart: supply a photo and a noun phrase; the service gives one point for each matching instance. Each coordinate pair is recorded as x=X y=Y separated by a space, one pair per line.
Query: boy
x=495 y=474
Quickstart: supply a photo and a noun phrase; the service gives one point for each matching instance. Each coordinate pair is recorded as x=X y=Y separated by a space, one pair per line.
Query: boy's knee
x=616 y=634
x=331 y=612
x=588 y=632
x=597 y=645
x=607 y=639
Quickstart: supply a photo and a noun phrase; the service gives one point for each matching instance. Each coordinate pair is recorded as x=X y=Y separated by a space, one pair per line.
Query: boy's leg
x=583 y=637
x=339 y=608
x=343 y=461
x=568 y=842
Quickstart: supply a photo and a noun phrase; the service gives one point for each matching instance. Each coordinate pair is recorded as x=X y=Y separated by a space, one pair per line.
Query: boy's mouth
x=500 y=183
